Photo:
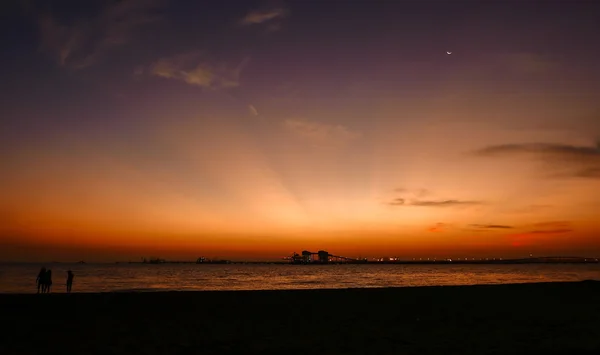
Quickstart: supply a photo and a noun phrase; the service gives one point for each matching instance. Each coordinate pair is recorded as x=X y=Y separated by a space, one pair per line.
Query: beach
x=549 y=318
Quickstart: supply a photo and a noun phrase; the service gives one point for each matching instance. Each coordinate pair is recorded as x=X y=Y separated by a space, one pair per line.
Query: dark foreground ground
x=554 y=318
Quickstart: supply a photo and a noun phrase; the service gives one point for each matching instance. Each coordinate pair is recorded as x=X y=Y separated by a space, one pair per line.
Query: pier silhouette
x=321 y=257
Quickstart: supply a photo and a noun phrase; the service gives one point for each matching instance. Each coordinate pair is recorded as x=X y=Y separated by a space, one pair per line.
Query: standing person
x=40 y=279
x=69 y=280
x=48 y=281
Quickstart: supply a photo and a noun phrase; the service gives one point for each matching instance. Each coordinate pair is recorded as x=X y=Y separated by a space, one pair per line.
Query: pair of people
x=44 y=281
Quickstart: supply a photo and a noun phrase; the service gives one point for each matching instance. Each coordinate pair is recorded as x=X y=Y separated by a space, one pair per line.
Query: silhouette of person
x=40 y=280
x=69 y=280
x=48 y=281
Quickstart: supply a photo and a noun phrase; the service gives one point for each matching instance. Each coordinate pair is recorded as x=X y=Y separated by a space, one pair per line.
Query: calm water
x=20 y=278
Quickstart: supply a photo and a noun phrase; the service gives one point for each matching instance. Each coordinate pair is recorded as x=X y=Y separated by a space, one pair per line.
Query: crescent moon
x=448 y=53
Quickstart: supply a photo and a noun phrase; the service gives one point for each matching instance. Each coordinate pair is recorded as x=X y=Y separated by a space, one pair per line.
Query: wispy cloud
x=433 y=203
x=552 y=224
x=556 y=150
x=262 y=16
x=80 y=43
x=539 y=228
x=438 y=227
x=536 y=232
x=491 y=226
x=414 y=197
x=320 y=131
x=551 y=231
x=253 y=111
x=592 y=172
x=569 y=160
x=397 y=202
x=194 y=69
x=444 y=203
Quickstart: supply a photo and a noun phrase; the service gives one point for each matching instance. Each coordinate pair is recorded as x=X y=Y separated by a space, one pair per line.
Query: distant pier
x=322 y=257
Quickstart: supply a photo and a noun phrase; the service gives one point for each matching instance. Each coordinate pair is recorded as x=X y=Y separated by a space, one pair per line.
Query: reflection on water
x=20 y=278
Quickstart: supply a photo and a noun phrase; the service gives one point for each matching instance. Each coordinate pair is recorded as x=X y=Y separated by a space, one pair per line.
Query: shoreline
x=550 y=318
x=391 y=288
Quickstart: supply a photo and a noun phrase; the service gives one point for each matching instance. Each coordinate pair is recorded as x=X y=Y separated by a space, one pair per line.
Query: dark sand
x=552 y=318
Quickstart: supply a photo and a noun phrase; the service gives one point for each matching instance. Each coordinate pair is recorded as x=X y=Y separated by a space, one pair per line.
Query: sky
x=251 y=130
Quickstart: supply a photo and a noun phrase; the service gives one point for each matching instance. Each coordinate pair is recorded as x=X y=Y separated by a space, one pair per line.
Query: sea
x=21 y=278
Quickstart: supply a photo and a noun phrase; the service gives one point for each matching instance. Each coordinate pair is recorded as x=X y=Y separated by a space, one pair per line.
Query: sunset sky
x=250 y=130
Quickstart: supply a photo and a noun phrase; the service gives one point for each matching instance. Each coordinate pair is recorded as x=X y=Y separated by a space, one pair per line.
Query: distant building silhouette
x=323 y=256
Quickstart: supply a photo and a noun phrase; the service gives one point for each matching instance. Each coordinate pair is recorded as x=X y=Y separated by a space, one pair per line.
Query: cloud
x=413 y=197
x=593 y=172
x=553 y=227
x=194 y=69
x=262 y=16
x=438 y=227
x=551 y=231
x=433 y=203
x=443 y=203
x=563 y=159
x=557 y=150
x=80 y=43
x=397 y=202
x=552 y=224
x=252 y=110
x=491 y=226
x=536 y=231
x=320 y=131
